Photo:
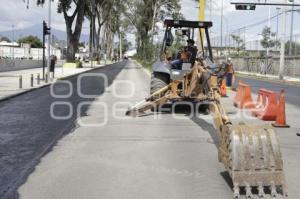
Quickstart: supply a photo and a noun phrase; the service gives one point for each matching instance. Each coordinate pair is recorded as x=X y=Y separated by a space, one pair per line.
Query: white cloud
x=14 y=12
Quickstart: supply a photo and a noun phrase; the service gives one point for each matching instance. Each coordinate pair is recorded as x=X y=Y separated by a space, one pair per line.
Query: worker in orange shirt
x=229 y=73
x=188 y=54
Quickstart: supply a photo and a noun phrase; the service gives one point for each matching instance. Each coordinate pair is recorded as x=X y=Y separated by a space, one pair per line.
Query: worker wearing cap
x=188 y=54
x=229 y=73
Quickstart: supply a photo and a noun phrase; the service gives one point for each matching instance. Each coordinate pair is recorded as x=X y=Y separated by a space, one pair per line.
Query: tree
x=98 y=13
x=295 y=48
x=143 y=16
x=34 y=41
x=73 y=22
x=4 y=39
x=269 y=38
x=240 y=45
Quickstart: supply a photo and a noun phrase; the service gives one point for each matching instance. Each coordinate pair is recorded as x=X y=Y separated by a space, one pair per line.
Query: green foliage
x=34 y=41
x=81 y=44
x=146 y=64
x=4 y=39
x=143 y=16
x=295 y=48
x=240 y=45
x=268 y=40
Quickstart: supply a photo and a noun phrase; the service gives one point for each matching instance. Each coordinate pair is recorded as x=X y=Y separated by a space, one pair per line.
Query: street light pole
x=13 y=39
x=93 y=34
x=49 y=40
x=292 y=30
x=277 y=25
x=222 y=5
x=282 y=49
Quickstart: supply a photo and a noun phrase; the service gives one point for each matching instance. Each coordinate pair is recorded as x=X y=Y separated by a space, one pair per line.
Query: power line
x=261 y=22
x=257 y=23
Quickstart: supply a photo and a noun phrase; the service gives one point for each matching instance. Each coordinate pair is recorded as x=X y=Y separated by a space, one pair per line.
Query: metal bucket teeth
x=261 y=192
x=236 y=192
x=254 y=161
x=248 y=192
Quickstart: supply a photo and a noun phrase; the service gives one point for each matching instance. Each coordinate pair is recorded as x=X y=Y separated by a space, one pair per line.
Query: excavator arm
x=250 y=153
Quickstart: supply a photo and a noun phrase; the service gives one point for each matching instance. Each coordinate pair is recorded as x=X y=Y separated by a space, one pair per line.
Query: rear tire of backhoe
x=158 y=81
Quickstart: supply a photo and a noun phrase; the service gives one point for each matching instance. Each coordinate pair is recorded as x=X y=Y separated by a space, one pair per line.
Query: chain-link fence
x=254 y=58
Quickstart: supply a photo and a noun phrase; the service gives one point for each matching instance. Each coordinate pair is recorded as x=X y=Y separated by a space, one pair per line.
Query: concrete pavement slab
x=146 y=157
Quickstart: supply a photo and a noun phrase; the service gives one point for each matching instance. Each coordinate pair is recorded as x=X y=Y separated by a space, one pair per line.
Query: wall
x=270 y=66
x=11 y=65
x=25 y=52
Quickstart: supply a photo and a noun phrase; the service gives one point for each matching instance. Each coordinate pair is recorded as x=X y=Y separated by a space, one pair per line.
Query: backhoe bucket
x=253 y=160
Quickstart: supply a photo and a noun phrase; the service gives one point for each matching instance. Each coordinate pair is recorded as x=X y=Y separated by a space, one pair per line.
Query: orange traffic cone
x=281 y=119
x=223 y=89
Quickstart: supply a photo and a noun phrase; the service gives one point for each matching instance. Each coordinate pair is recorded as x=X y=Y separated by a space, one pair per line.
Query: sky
x=14 y=12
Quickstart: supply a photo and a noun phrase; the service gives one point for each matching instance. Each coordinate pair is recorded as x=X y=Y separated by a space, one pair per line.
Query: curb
x=143 y=68
x=292 y=83
x=6 y=98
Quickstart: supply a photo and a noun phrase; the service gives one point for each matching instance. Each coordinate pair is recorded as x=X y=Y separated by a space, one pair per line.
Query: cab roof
x=187 y=24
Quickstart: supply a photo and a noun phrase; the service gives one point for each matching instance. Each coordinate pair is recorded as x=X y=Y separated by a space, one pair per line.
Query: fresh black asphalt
x=28 y=131
x=292 y=92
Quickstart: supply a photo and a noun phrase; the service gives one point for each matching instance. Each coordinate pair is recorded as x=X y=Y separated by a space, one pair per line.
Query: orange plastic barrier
x=243 y=98
x=281 y=117
x=266 y=107
x=223 y=89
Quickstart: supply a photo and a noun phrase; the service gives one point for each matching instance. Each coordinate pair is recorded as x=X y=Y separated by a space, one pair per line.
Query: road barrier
x=266 y=107
x=281 y=117
x=243 y=98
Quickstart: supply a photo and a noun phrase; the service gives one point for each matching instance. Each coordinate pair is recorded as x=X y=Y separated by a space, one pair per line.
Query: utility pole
x=282 y=49
x=49 y=40
x=222 y=13
x=121 y=54
x=93 y=34
x=269 y=26
x=292 y=30
x=13 y=40
x=210 y=10
x=277 y=25
x=201 y=17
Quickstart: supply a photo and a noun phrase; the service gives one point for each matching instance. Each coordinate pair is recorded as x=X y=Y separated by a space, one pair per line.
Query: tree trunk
x=72 y=48
x=73 y=37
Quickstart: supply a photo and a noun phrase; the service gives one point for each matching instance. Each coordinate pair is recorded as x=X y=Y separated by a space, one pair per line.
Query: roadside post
x=20 y=82
x=46 y=78
x=38 y=79
x=31 y=80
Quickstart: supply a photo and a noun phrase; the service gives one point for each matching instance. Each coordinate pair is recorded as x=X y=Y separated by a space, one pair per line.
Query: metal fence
x=266 y=66
x=256 y=59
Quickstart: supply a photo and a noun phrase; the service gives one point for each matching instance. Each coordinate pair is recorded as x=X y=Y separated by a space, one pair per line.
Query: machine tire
x=158 y=81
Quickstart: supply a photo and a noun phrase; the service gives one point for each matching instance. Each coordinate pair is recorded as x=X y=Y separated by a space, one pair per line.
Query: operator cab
x=179 y=50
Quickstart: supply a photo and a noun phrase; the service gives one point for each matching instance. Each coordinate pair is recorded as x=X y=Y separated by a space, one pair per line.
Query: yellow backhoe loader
x=251 y=154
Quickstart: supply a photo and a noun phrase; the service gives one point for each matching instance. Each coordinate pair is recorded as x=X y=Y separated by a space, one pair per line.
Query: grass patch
x=146 y=64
